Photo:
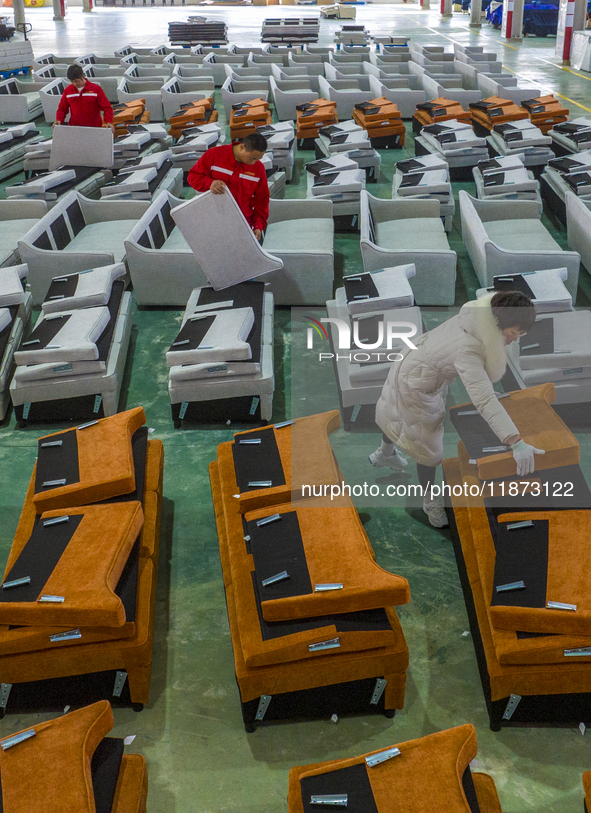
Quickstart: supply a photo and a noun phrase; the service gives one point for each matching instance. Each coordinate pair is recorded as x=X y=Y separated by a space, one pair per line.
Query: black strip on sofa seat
x=522 y=555
x=276 y=547
x=38 y=559
x=360 y=285
x=104 y=767
x=253 y=462
x=352 y=780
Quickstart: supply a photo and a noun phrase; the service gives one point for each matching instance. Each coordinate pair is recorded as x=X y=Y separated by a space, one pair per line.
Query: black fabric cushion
x=260 y=461
x=522 y=555
x=104 y=341
x=45 y=332
x=157 y=233
x=105 y=767
x=513 y=282
x=57 y=462
x=144 y=240
x=470 y=790
x=244 y=295
x=276 y=547
x=361 y=621
x=169 y=223
x=192 y=332
x=75 y=217
x=542 y=334
x=62 y=287
x=60 y=232
x=353 y=781
x=39 y=558
x=43 y=242
x=474 y=431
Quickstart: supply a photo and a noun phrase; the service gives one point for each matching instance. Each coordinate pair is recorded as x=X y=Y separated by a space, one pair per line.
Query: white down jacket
x=411 y=408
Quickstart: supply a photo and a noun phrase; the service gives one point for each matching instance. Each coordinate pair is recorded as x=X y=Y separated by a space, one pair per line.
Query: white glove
x=524 y=457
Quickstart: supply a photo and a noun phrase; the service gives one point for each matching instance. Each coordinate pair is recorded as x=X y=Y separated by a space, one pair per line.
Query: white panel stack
x=521 y=137
x=281 y=145
x=15 y=309
x=456 y=141
x=572 y=136
x=506 y=179
x=411 y=182
x=367 y=302
x=75 y=354
x=221 y=362
x=558 y=347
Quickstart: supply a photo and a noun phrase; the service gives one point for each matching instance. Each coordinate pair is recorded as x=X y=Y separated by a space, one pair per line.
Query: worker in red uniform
x=85 y=102
x=237 y=167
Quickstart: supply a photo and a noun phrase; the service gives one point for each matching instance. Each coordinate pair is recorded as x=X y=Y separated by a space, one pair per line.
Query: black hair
x=255 y=142
x=513 y=309
x=75 y=72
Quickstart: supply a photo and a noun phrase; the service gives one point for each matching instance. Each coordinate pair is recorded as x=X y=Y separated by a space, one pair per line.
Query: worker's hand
x=55 y=124
x=218 y=187
x=524 y=457
x=258 y=233
x=111 y=127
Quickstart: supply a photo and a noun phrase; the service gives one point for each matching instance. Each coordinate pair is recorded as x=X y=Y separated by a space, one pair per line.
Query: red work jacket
x=84 y=106
x=247 y=182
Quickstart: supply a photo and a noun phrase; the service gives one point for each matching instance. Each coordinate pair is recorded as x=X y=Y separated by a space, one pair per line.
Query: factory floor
x=199 y=757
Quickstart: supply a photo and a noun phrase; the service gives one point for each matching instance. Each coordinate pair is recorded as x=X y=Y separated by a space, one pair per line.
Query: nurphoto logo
x=385 y=336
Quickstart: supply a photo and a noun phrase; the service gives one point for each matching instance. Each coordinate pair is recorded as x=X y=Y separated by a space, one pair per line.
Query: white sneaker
x=394 y=461
x=435 y=510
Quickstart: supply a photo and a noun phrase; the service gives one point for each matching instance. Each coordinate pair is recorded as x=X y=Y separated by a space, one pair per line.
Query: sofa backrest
x=9 y=88
x=63 y=223
x=55 y=88
x=155 y=227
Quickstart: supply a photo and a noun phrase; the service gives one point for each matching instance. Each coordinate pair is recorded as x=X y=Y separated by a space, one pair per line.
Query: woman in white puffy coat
x=411 y=408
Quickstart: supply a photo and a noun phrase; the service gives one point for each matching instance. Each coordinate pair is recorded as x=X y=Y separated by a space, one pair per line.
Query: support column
x=425 y=5
x=512 y=27
x=571 y=17
x=59 y=9
x=87 y=5
x=475 y=13
x=446 y=8
x=18 y=7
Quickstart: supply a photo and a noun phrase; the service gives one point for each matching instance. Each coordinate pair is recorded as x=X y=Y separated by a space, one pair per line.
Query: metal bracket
x=183 y=410
x=582 y=652
x=378 y=691
x=4 y=694
x=263 y=706
x=17 y=738
x=253 y=407
x=383 y=756
x=333 y=643
x=355 y=412
x=120 y=679
x=512 y=704
x=330 y=799
x=98 y=400
x=26 y=410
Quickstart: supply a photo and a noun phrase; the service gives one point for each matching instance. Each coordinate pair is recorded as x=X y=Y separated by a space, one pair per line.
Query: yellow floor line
x=515 y=48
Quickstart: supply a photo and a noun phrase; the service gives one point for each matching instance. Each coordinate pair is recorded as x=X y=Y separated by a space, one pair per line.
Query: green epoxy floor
x=199 y=757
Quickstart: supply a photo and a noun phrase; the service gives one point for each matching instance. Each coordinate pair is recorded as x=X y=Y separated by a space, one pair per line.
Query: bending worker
x=85 y=102
x=237 y=167
x=411 y=408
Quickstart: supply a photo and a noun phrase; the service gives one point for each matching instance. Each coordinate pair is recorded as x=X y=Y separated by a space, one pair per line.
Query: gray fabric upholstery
x=397 y=234
x=508 y=235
